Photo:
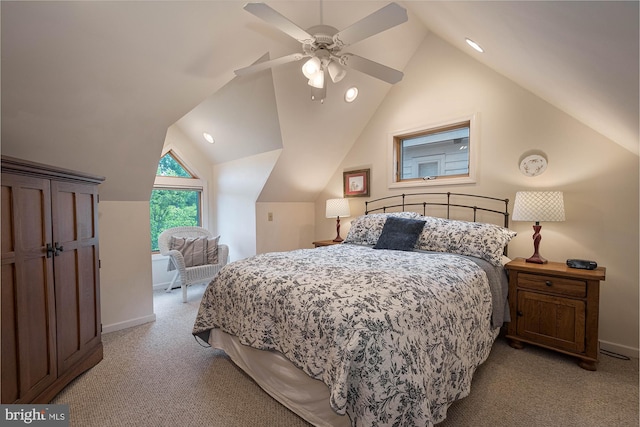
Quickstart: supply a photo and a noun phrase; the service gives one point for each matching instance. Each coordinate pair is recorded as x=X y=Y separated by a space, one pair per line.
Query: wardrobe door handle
x=49 y=250
x=58 y=249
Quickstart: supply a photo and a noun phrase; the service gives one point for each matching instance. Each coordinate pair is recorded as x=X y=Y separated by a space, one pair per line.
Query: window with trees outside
x=176 y=198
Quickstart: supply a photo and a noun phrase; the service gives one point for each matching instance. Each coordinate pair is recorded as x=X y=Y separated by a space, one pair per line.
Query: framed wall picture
x=356 y=183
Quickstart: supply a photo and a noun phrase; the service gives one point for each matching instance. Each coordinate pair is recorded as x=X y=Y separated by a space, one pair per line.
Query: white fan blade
x=268 y=64
x=274 y=18
x=381 y=20
x=374 y=69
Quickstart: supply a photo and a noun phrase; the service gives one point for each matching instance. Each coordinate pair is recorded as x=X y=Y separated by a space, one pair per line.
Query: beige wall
x=237 y=187
x=125 y=274
x=292 y=226
x=598 y=177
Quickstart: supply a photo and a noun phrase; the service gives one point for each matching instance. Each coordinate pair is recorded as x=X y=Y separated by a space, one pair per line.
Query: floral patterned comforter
x=396 y=336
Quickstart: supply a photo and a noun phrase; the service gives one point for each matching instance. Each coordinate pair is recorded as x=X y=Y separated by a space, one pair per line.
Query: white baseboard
x=162 y=285
x=620 y=349
x=128 y=324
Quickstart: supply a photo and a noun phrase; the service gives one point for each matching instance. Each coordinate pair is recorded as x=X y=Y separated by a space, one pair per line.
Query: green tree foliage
x=172 y=208
x=169 y=166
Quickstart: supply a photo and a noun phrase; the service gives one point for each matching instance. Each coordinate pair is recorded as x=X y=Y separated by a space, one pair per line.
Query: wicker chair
x=190 y=275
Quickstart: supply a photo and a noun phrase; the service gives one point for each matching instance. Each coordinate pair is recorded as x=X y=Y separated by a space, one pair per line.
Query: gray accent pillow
x=366 y=229
x=400 y=234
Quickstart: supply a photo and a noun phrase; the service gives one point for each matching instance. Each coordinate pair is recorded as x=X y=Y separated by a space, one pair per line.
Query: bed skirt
x=305 y=396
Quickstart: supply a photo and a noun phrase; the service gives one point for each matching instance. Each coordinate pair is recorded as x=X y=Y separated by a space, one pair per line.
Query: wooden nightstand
x=556 y=307
x=319 y=243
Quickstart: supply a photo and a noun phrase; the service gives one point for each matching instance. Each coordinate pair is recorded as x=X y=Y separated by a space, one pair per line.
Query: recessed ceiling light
x=208 y=137
x=474 y=45
x=351 y=94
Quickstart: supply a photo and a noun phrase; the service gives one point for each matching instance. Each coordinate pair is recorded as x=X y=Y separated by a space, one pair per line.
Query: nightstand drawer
x=551 y=284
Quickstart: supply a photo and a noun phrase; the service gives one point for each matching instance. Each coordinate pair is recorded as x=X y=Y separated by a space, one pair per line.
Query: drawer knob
x=548 y=283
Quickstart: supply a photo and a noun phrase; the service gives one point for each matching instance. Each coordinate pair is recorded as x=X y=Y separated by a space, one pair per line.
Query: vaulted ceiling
x=95 y=85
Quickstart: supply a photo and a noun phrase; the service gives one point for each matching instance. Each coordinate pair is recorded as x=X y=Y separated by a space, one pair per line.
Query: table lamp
x=337 y=208
x=538 y=206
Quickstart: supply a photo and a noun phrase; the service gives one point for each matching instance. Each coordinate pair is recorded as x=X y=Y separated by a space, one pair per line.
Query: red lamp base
x=338 y=238
x=536 y=258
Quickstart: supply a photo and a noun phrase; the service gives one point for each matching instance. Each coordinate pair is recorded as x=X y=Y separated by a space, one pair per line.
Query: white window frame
x=474 y=149
x=177 y=183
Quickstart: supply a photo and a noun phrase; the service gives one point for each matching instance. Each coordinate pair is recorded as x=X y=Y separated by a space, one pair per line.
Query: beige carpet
x=157 y=375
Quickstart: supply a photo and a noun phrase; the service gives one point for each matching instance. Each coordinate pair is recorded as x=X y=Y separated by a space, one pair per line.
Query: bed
x=384 y=329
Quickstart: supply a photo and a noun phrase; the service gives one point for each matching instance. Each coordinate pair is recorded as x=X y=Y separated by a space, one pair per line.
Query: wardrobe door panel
x=77 y=275
x=28 y=306
x=10 y=390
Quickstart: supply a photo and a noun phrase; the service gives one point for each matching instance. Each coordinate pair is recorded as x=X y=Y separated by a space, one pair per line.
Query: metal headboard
x=405 y=202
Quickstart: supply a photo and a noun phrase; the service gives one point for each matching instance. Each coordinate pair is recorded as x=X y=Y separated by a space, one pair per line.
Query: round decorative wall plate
x=533 y=165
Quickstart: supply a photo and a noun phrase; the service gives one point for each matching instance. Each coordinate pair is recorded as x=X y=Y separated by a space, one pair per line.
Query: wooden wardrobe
x=51 y=330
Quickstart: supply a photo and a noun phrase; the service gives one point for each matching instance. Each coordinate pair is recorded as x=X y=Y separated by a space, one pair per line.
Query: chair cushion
x=212 y=250
x=193 y=249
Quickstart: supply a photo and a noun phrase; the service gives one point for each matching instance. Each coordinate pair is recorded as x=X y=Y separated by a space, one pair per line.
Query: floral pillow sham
x=478 y=239
x=481 y=240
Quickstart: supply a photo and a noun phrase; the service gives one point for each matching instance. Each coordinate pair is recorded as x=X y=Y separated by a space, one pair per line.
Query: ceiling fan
x=323 y=45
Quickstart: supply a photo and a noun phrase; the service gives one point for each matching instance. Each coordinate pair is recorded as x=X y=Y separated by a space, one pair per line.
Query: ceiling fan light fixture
x=311 y=67
x=323 y=44
x=317 y=80
x=318 y=94
x=336 y=71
